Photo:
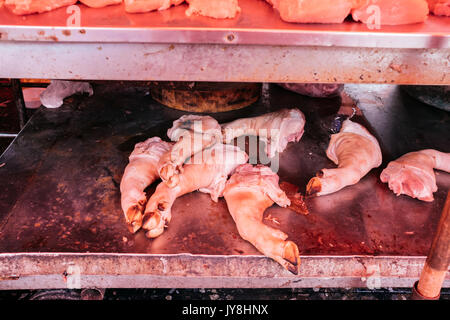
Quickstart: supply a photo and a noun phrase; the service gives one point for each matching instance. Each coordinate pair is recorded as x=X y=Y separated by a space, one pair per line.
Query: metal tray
x=60 y=210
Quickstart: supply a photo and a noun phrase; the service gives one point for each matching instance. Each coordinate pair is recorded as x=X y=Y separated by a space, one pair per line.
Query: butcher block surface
x=60 y=179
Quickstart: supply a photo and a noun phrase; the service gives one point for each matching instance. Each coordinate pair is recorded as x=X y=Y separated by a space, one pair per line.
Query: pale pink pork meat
x=219 y=9
x=209 y=175
x=248 y=193
x=100 y=3
x=439 y=7
x=141 y=6
x=412 y=174
x=355 y=151
x=391 y=12
x=141 y=171
x=191 y=134
x=276 y=129
x=313 y=11
x=23 y=7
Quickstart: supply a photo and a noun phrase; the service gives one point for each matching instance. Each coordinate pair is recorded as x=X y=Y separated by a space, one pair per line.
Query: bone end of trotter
x=154 y=222
x=314 y=187
x=167 y=171
x=134 y=217
x=291 y=255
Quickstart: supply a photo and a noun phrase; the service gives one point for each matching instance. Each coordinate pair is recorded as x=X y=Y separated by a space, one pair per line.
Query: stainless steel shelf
x=258 y=24
x=257 y=46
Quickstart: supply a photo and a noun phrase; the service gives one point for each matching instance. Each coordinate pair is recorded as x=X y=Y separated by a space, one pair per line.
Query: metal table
x=256 y=46
x=60 y=219
x=61 y=225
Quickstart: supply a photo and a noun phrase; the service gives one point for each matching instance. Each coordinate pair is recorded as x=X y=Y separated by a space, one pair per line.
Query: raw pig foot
x=413 y=173
x=209 y=175
x=192 y=134
x=276 y=129
x=291 y=256
x=248 y=193
x=140 y=172
x=355 y=151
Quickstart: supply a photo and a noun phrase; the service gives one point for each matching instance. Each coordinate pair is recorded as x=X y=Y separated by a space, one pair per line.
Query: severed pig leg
x=192 y=134
x=276 y=129
x=355 y=151
x=248 y=193
x=140 y=173
x=412 y=174
x=208 y=174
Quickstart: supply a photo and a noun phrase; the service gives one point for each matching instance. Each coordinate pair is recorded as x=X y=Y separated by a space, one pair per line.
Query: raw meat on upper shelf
x=391 y=12
x=412 y=174
x=192 y=134
x=208 y=175
x=22 y=7
x=355 y=151
x=140 y=6
x=313 y=11
x=276 y=129
x=100 y=3
x=141 y=171
x=219 y=9
x=248 y=193
x=439 y=7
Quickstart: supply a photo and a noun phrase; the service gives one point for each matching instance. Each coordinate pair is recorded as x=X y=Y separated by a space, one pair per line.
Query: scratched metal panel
x=226 y=63
x=61 y=175
x=48 y=271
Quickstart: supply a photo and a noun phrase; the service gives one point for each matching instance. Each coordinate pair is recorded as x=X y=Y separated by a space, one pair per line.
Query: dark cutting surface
x=60 y=179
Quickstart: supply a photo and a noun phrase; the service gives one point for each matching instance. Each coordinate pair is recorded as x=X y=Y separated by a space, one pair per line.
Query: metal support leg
x=433 y=274
x=19 y=101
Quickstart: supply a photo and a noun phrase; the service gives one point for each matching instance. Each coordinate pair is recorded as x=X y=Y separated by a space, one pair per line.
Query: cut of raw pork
x=276 y=129
x=209 y=175
x=219 y=9
x=313 y=11
x=140 y=6
x=439 y=7
x=391 y=12
x=100 y=3
x=140 y=173
x=412 y=174
x=248 y=193
x=192 y=134
x=22 y=7
x=355 y=151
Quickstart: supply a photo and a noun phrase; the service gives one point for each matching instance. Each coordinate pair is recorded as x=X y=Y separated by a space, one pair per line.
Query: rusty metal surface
x=60 y=194
x=257 y=24
x=223 y=63
x=47 y=270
